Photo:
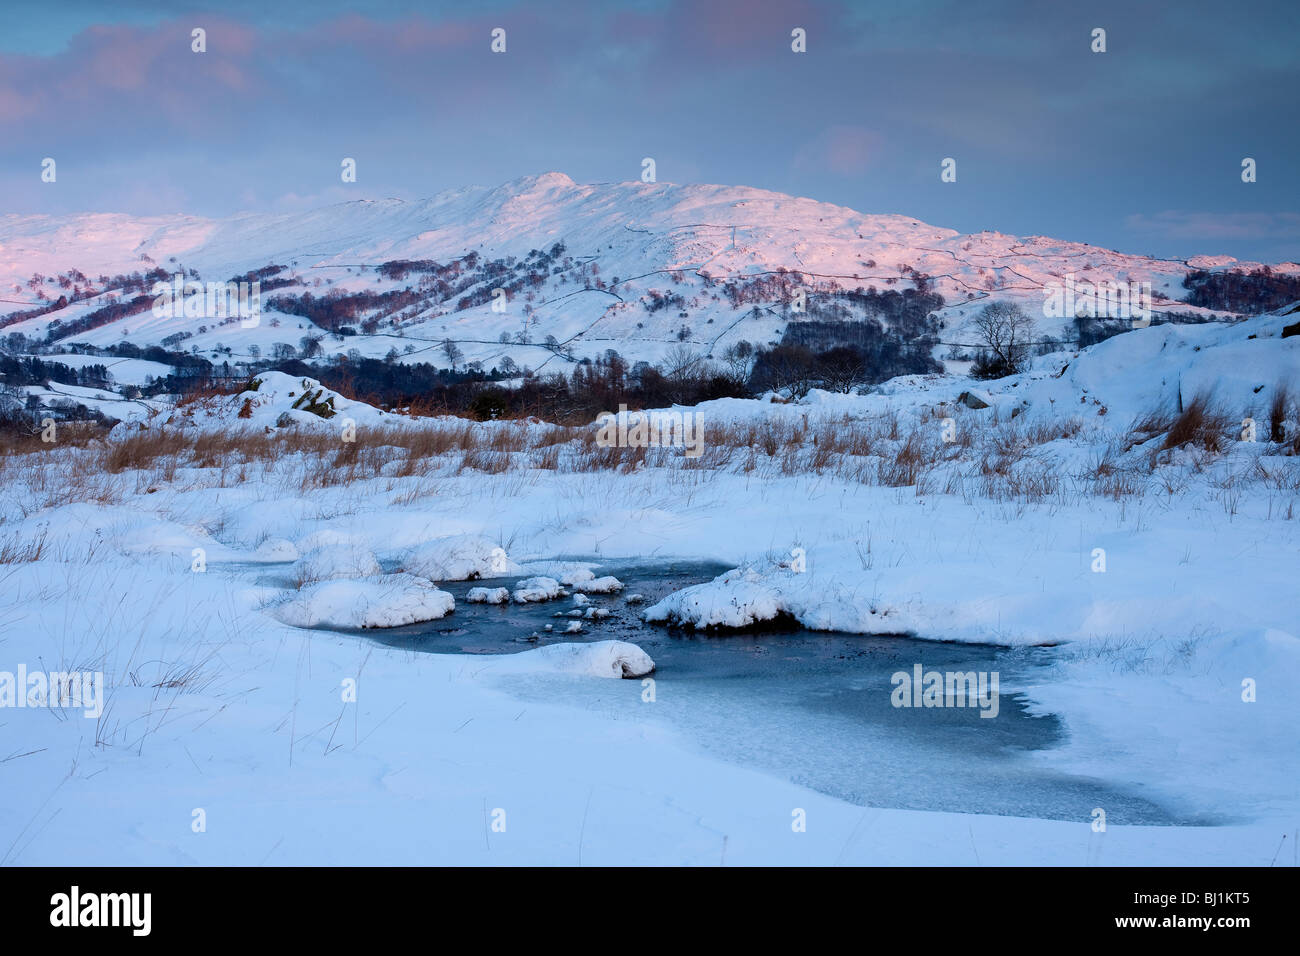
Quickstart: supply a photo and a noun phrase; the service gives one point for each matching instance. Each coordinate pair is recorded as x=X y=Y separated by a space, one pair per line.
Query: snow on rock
x=463 y=557
x=278 y=400
x=568 y=573
x=488 y=595
x=536 y=589
x=753 y=594
x=616 y=659
x=606 y=585
x=338 y=561
x=383 y=601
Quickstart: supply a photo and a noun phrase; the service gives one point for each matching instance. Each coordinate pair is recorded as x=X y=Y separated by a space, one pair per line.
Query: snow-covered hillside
x=638 y=268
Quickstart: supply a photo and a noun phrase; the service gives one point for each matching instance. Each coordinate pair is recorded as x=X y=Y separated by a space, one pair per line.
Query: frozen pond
x=812 y=707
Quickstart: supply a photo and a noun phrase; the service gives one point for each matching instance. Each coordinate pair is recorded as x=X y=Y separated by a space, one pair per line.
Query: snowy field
x=247 y=722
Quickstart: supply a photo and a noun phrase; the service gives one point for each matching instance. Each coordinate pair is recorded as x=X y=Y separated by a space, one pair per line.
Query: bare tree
x=452 y=351
x=843 y=369
x=681 y=363
x=790 y=368
x=739 y=359
x=1005 y=331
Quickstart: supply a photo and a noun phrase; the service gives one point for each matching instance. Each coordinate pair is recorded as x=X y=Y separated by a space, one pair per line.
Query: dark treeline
x=1261 y=290
x=335 y=311
x=1090 y=330
x=34 y=371
x=841 y=355
x=594 y=386
x=98 y=317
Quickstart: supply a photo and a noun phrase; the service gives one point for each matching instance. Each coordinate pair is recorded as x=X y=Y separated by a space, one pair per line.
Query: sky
x=1139 y=148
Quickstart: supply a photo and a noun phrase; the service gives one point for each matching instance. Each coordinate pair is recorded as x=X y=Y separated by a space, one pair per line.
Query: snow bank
x=488 y=595
x=385 y=601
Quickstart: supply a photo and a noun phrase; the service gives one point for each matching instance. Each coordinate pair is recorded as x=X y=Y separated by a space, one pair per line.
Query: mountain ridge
x=629 y=248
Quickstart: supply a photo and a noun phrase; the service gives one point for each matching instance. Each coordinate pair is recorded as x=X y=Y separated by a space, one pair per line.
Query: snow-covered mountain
x=632 y=266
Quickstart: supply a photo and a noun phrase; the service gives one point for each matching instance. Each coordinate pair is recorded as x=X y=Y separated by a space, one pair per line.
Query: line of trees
x=1251 y=293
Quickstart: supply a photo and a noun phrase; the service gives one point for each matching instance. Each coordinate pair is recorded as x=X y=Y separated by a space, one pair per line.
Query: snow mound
x=337 y=561
x=488 y=596
x=384 y=601
x=276 y=549
x=536 y=589
x=464 y=557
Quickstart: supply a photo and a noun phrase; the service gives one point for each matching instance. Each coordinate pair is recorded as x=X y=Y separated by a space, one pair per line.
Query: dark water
x=811 y=707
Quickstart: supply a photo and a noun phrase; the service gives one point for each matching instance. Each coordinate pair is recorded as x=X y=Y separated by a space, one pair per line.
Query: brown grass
x=1200 y=424
x=1001 y=460
x=1277 y=413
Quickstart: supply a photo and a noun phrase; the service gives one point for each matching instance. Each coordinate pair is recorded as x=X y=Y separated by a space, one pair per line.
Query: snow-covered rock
x=753 y=594
x=488 y=595
x=463 y=557
x=606 y=585
x=530 y=590
x=615 y=659
x=384 y=601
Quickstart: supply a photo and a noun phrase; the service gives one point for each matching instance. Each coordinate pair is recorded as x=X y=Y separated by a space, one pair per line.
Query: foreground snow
x=225 y=701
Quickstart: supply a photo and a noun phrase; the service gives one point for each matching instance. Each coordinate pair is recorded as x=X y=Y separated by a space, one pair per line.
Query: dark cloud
x=1049 y=137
